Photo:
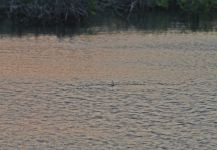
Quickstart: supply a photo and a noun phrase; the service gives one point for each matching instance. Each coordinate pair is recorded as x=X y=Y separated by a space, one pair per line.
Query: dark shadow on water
x=157 y=22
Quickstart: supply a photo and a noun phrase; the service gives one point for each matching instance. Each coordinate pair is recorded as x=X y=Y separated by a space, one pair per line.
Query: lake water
x=128 y=89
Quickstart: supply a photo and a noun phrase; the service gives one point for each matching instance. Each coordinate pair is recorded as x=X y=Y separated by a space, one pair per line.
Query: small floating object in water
x=112 y=84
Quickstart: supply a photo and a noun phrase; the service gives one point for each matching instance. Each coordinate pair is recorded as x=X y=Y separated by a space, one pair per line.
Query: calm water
x=58 y=94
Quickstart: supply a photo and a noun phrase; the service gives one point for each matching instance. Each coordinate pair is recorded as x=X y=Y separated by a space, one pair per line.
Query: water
x=57 y=93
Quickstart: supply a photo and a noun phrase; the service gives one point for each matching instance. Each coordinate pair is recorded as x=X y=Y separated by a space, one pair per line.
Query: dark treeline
x=72 y=11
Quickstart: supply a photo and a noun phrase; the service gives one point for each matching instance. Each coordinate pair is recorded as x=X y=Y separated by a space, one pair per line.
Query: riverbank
x=75 y=11
x=157 y=22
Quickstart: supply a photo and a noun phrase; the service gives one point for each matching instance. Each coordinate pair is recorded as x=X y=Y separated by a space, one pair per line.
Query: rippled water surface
x=59 y=93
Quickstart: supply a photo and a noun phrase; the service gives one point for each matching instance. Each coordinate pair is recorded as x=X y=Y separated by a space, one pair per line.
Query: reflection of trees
x=148 y=22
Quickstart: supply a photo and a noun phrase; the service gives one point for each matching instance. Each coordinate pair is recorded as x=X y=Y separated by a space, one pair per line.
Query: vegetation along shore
x=74 y=11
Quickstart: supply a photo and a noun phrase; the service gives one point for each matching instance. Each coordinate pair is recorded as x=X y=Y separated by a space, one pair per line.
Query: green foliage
x=162 y=3
x=197 y=6
x=92 y=6
x=65 y=10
